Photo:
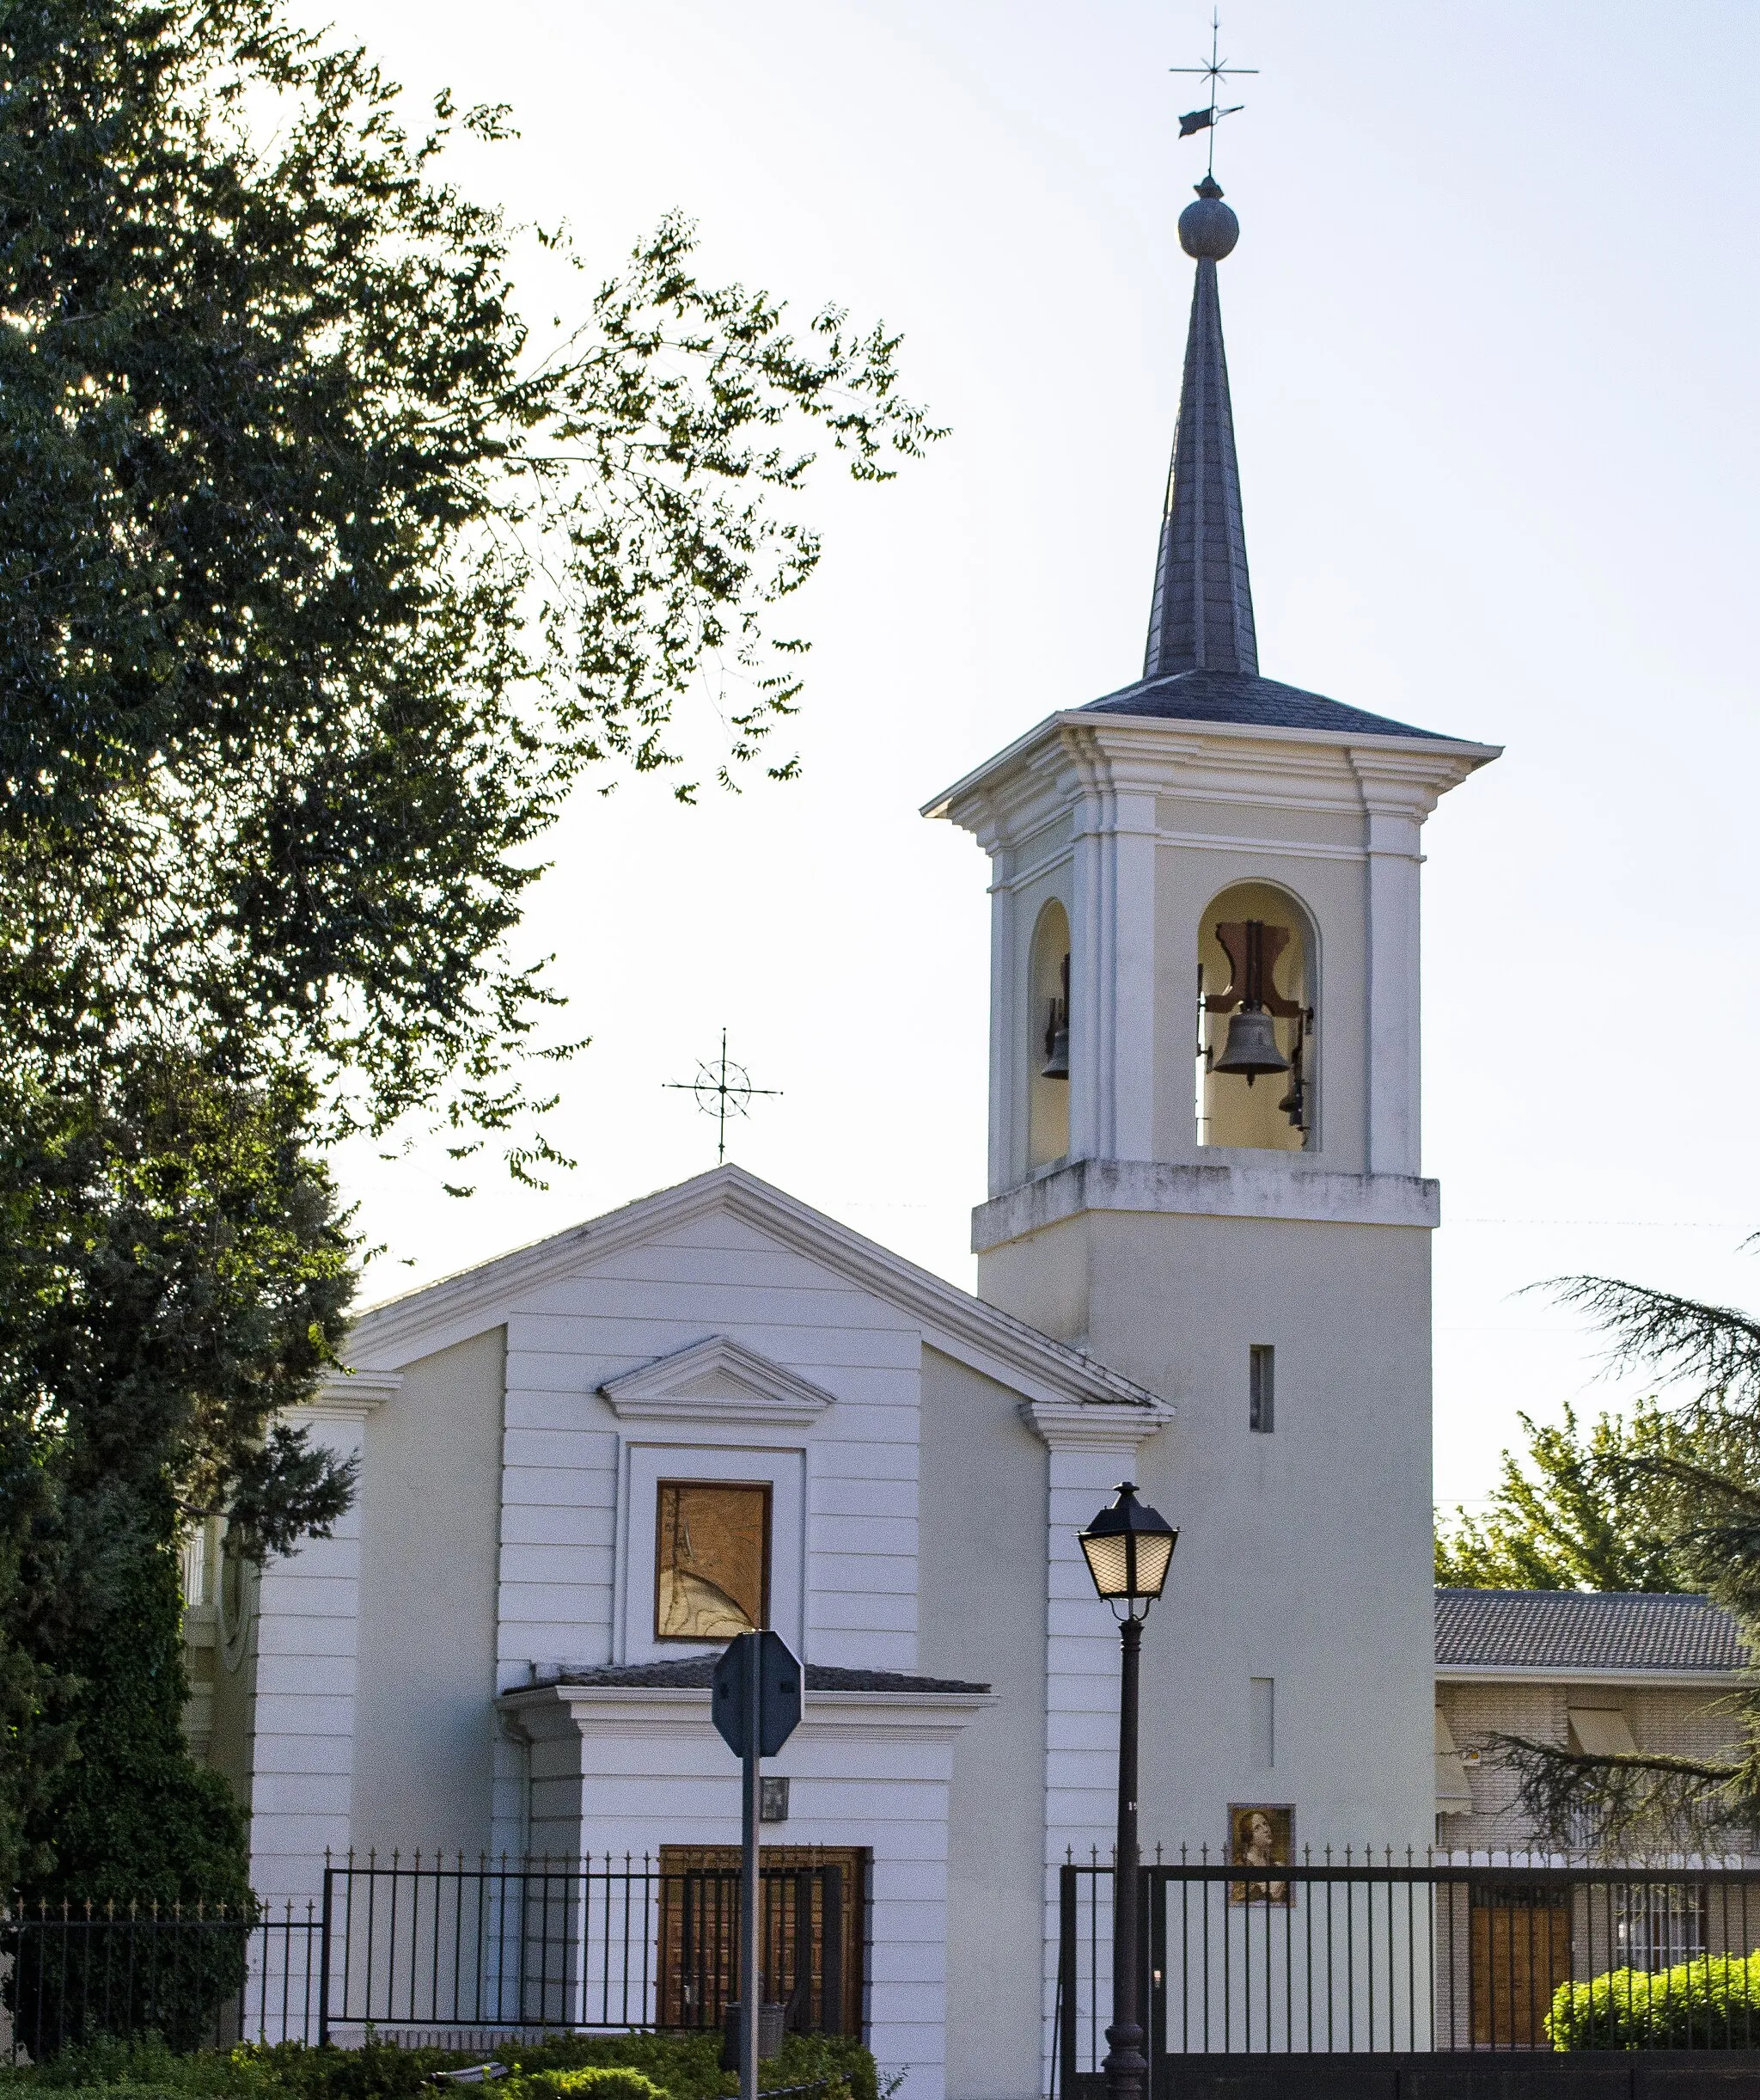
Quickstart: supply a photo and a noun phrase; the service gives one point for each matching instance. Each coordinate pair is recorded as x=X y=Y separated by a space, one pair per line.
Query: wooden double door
x=1521 y=1953
x=811 y=1934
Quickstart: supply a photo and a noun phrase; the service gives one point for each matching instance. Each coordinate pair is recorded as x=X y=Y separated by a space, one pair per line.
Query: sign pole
x=755 y=1694
x=750 y=1985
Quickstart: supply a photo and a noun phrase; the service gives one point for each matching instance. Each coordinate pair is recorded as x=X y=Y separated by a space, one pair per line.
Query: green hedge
x=1710 y=2003
x=682 y=2067
x=590 y=2082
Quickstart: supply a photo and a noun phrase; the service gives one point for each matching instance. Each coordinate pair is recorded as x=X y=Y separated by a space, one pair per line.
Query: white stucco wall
x=983 y=1515
x=430 y=1518
x=1303 y=1555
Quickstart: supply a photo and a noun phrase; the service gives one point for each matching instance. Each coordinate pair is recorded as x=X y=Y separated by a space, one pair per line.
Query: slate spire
x=1202 y=615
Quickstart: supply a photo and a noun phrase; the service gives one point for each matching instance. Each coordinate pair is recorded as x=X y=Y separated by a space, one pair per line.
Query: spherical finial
x=1209 y=230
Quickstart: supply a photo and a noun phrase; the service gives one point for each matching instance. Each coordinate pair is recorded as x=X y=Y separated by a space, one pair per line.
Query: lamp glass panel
x=1154 y=1552
x=1108 y=1563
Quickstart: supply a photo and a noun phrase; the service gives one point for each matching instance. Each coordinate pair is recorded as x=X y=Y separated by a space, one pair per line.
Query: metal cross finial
x=1216 y=72
x=723 y=1089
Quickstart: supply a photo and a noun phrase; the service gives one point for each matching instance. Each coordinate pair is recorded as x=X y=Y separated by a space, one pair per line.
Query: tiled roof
x=1232 y=696
x=694 y=1675
x=1578 y=1629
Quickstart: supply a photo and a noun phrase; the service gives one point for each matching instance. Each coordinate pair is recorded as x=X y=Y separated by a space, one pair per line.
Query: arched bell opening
x=1256 y=1044
x=1048 y=1039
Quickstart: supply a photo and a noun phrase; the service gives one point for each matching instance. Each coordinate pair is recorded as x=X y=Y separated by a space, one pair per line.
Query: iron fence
x=1419 y=1957
x=74 y=1973
x=580 y=1944
x=444 y=1952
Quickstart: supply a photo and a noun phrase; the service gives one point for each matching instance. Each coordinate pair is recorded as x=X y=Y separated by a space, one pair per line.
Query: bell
x=1057 y=1064
x=1252 y=1045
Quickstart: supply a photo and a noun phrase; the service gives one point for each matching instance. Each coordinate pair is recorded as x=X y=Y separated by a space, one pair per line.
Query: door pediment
x=717 y=1380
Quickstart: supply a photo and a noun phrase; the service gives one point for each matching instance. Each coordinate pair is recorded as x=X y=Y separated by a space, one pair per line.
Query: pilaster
x=1088 y=1449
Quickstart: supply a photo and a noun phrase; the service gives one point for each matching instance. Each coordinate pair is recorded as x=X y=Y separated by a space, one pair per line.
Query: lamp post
x=1128 y=1548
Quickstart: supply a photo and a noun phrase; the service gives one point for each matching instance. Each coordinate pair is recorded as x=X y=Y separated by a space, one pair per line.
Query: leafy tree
x=1698 y=1480
x=177 y=1274
x=324 y=576
x=1578 y=1510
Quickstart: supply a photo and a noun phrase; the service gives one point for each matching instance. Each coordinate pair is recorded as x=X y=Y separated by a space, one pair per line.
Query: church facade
x=1203 y=1263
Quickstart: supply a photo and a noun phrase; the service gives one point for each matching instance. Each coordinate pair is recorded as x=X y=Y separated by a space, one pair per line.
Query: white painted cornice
x=348 y=1396
x=994 y=1342
x=715 y=1380
x=1303 y=1195
x=1108 y=754
x=548 y=1712
x=1067 y=1425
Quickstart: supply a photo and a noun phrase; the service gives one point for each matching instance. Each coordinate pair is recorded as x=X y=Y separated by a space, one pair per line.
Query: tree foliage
x=1690 y=1468
x=324 y=576
x=1577 y=1509
x=176 y=1274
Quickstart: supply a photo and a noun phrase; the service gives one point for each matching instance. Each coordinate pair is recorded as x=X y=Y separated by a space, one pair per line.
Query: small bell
x=1057 y=1042
x=1252 y=1045
x=1056 y=1065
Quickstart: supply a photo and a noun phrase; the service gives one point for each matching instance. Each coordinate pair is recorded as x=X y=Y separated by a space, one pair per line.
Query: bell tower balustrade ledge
x=1208 y=1192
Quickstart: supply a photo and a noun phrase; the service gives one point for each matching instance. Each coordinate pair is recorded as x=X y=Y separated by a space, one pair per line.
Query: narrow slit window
x=1261 y=1388
x=1262 y=1722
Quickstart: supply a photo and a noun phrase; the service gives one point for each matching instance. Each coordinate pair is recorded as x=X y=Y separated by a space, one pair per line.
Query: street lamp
x=1128 y=1548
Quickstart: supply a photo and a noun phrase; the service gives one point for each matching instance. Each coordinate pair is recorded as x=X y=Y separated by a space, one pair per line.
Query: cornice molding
x=1076 y=751
x=1161 y=1188
x=549 y=1710
x=349 y=1396
x=951 y=1321
x=1067 y=1425
x=717 y=1380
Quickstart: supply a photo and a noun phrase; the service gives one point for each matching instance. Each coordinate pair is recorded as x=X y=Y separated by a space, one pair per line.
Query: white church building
x=1204 y=1263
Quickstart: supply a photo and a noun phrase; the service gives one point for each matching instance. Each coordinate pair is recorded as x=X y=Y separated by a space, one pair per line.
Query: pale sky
x=1491 y=328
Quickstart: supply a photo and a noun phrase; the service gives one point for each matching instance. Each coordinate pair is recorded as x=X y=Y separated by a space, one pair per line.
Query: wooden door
x=699 y=1933
x=1521 y=1953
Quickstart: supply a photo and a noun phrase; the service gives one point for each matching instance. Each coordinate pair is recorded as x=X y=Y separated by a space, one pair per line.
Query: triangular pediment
x=391 y=1336
x=716 y=1379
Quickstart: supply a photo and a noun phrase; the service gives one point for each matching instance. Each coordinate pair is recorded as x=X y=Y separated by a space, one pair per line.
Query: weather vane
x=1216 y=72
x=723 y=1089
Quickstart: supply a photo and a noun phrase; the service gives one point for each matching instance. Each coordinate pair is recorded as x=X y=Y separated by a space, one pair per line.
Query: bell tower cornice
x=1077 y=755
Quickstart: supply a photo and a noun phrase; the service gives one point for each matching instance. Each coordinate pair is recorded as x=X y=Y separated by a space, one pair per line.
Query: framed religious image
x=1262 y=1835
x=711 y=1571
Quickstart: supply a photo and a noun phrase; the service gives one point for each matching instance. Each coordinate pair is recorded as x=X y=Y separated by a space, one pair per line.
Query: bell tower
x=1205 y=1171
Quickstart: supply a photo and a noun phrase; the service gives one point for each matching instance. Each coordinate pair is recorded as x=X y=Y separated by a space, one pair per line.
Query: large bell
x=1251 y=1047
